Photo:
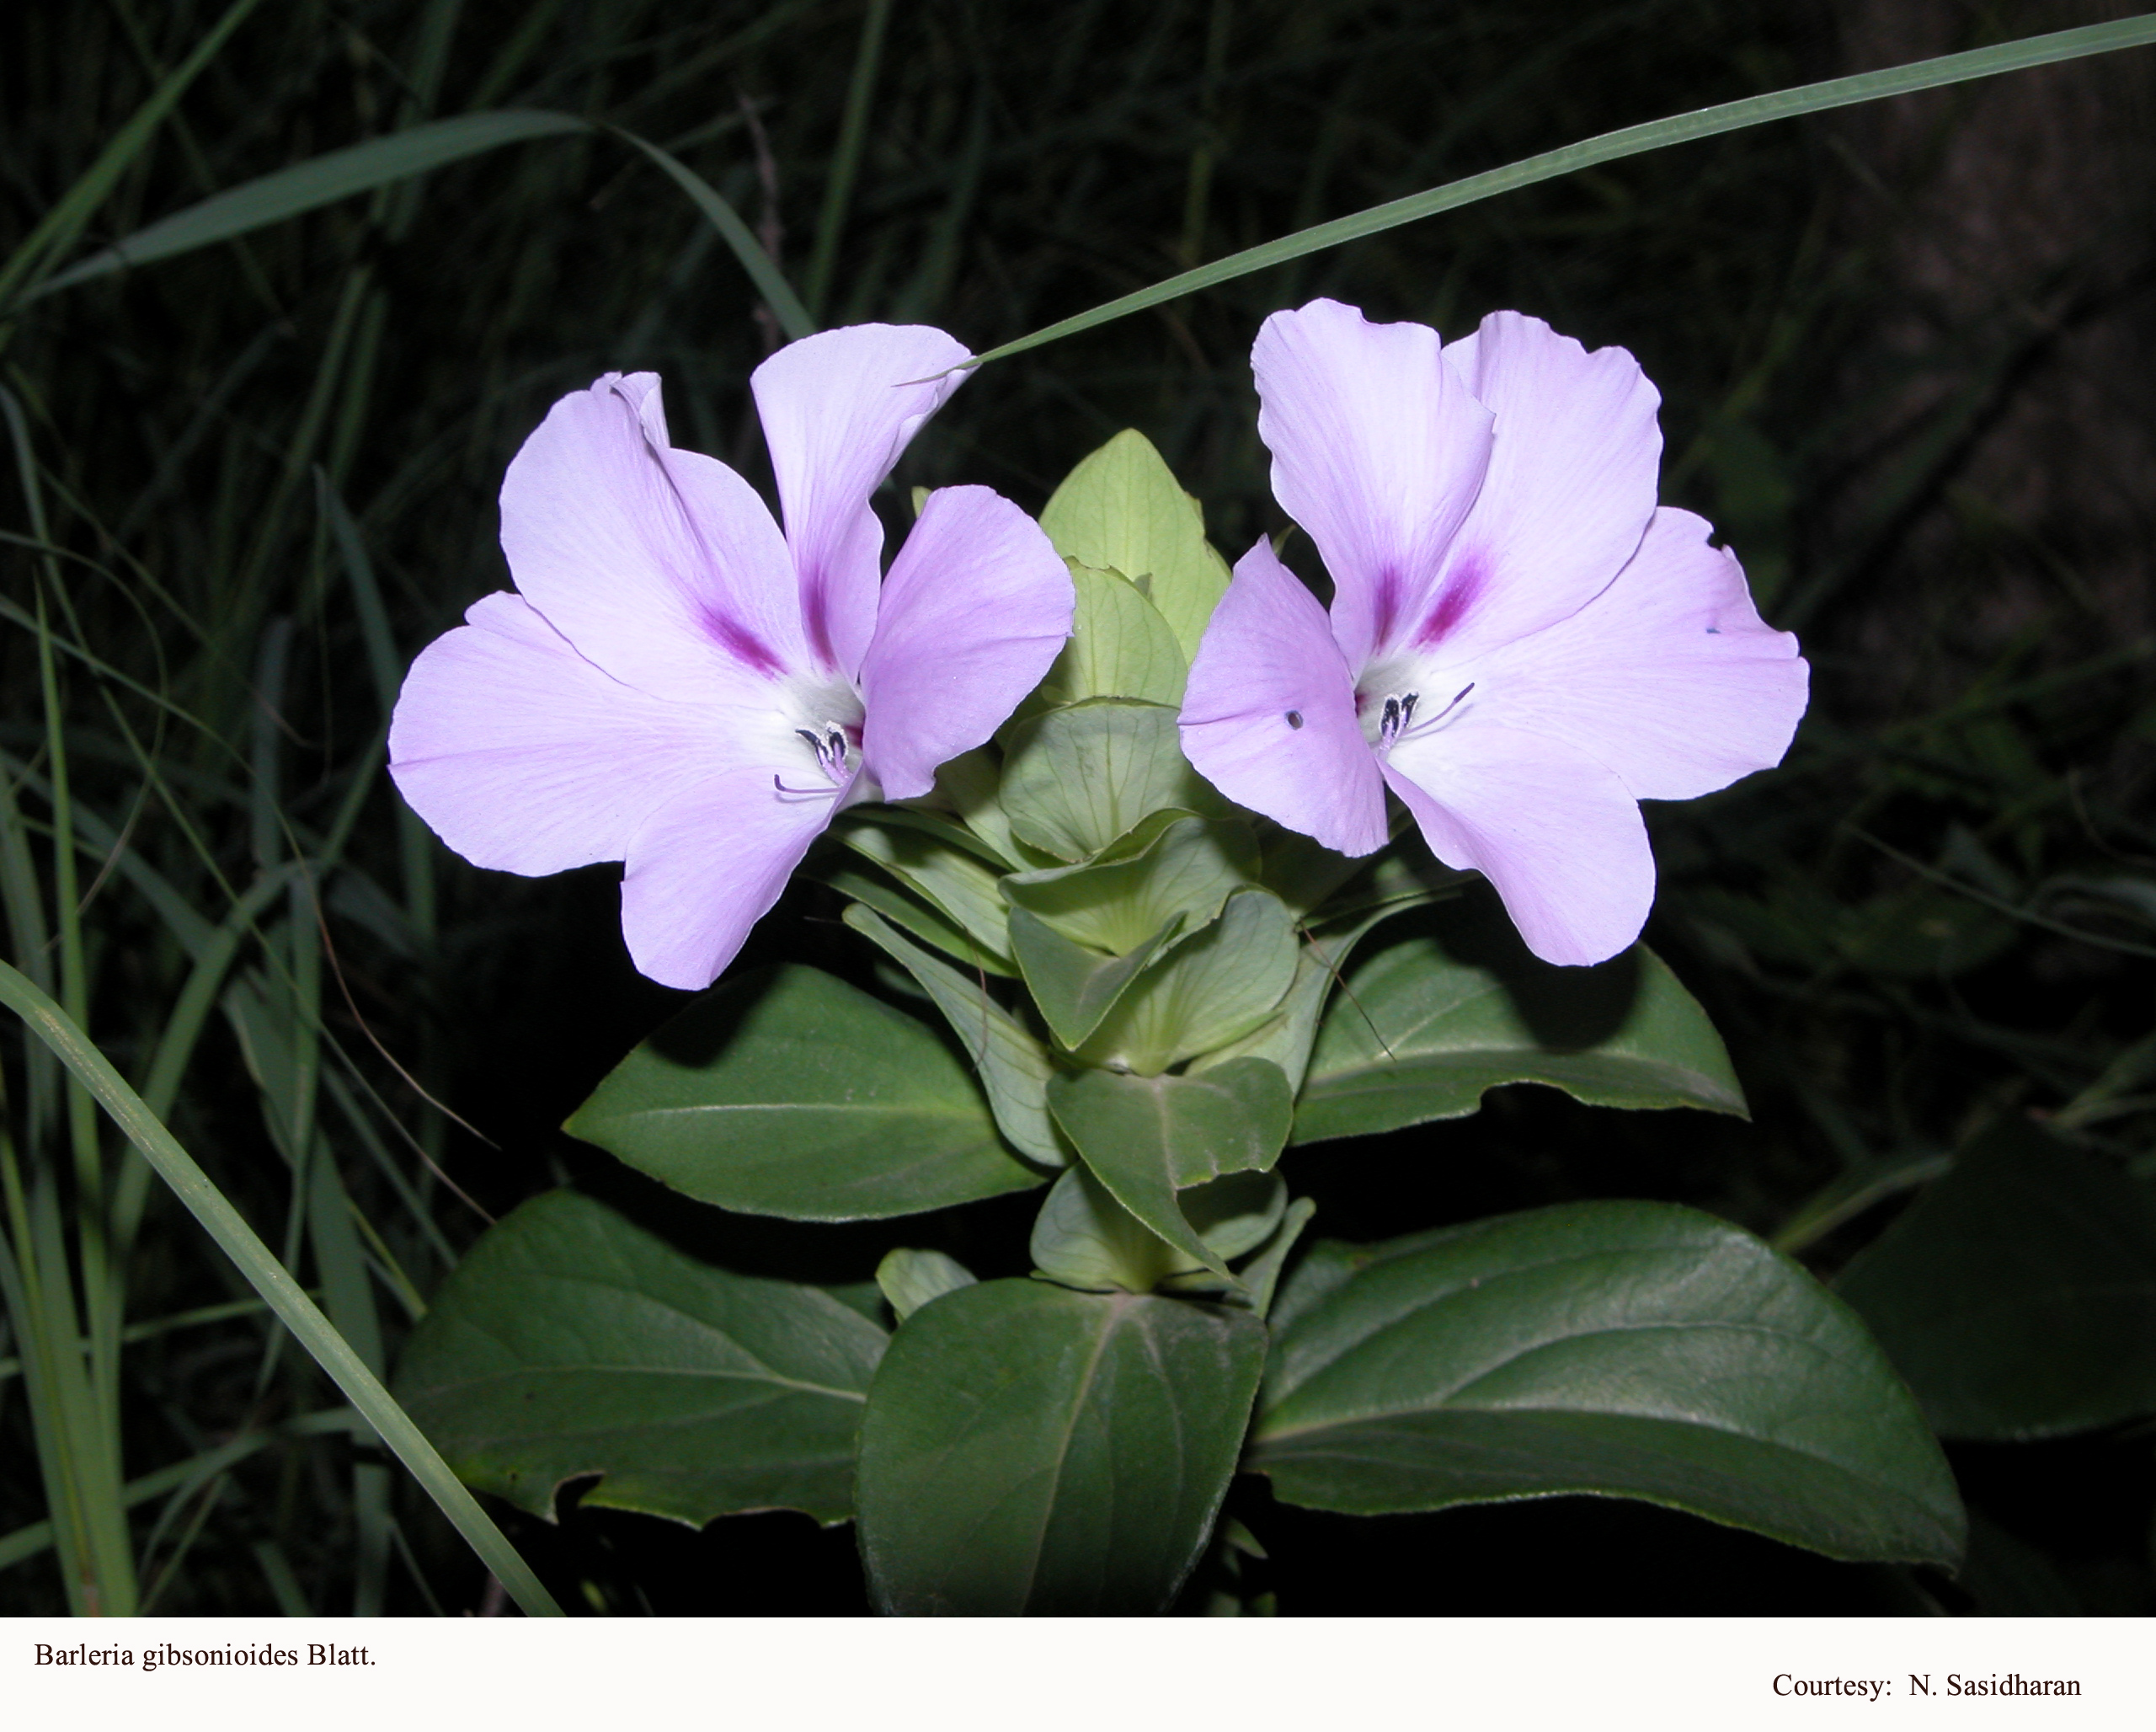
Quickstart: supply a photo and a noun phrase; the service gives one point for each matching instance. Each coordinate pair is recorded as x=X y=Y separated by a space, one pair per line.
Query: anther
x=1294 y=719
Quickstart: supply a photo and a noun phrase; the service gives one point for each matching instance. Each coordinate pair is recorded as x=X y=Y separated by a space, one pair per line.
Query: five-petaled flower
x=1521 y=645
x=679 y=686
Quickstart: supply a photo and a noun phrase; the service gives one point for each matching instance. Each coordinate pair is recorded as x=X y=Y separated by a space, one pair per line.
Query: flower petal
x=707 y=865
x=1668 y=676
x=1378 y=450
x=976 y=606
x=1570 y=487
x=1558 y=835
x=523 y=756
x=838 y=408
x=1269 y=715
x=661 y=566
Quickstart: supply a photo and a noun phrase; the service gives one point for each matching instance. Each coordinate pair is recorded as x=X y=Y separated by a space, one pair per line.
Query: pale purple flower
x=679 y=686
x=1521 y=645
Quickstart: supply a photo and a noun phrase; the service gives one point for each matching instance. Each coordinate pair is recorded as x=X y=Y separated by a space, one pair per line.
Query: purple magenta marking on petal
x=815 y=612
x=737 y=641
x=1384 y=603
x=1461 y=590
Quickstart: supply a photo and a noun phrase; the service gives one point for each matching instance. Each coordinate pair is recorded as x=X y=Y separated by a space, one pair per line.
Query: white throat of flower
x=817 y=742
x=1391 y=703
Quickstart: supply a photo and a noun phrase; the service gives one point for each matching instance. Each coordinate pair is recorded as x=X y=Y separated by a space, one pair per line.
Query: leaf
x=972 y=782
x=1013 y=1066
x=571 y=1342
x=1619 y=1349
x=1462 y=1006
x=1028 y=1449
x=1214 y=987
x=1120 y=509
x=955 y=883
x=1072 y=986
x=1084 y=1238
x=1147 y=1137
x=1172 y=863
x=786 y=1092
x=1119 y=647
x=1262 y=1274
x=2018 y=1293
x=1076 y=779
x=1285 y=1038
x=907 y=911
x=910 y=1279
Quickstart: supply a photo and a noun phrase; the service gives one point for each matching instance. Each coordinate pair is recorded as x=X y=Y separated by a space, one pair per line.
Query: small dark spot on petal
x=1294 y=719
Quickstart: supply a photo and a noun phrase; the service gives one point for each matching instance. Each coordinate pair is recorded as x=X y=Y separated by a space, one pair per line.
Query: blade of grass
x=1609 y=148
x=794 y=319
x=68 y=219
x=27 y=1543
x=270 y=1279
x=846 y=160
x=309 y=186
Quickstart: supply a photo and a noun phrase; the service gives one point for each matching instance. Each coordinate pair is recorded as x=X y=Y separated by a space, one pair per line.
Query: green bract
x=1121 y=511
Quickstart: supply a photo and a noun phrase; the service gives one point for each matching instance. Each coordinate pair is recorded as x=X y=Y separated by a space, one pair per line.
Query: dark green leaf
x=1028 y=1449
x=1147 y=1137
x=1459 y=1005
x=570 y=1342
x=1623 y=1350
x=2018 y=1293
x=786 y=1092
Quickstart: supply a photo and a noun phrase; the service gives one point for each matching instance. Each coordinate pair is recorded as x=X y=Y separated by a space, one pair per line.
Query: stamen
x=1294 y=719
x=1398 y=714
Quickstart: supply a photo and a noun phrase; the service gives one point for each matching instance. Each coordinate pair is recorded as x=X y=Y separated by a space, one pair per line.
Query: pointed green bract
x=1119 y=647
x=910 y=1279
x=786 y=1092
x=2018 y=1293
x=1077 y=778
x=1453 y=1004
x=1012 y=1063
x=1030 y=1449
x=1285 y=1037
x=1215 y=986
x=1084 y=1238
x=571 y=1341
x=910 y=913
x=1146 y=1138
x=1073 y=987
x=1623 y=1350
x=958 y=884
x=1172 y=863
x=1121 y=511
